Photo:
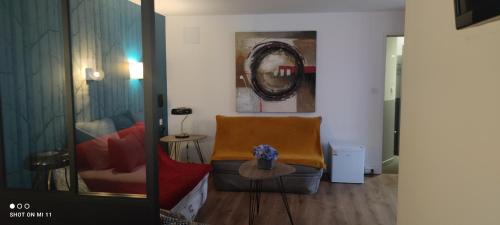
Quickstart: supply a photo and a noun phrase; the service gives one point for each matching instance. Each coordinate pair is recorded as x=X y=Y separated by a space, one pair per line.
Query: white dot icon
x=12 y=206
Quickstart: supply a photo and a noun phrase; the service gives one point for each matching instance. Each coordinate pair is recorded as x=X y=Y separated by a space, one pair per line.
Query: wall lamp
x=92 y=75
x=135 y=69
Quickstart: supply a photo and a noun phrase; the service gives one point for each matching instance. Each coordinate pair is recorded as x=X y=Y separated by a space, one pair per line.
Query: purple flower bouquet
x=266 y=156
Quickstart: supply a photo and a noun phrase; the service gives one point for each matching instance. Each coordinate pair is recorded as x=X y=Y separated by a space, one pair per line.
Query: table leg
x=49 y=178
x=170 y=149
x=285 y=200
x=178 y=154
x=174 y=151
x=250 y=206
x=198 y=149
x=254 y=200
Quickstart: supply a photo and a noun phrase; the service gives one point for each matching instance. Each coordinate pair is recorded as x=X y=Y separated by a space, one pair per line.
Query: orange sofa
x=297 y=140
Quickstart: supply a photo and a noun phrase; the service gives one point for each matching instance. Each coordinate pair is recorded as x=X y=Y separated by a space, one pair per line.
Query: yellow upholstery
x=297 y=139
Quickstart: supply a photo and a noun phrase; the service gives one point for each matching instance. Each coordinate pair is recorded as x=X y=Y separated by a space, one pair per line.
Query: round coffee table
x=250 y=171
x=174 y=144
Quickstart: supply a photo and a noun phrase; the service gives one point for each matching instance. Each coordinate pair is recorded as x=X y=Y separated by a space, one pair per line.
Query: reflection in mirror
x=108 y=96
x=32 y=103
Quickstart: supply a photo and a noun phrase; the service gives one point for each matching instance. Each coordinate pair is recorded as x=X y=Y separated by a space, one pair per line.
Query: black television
x=470 y=12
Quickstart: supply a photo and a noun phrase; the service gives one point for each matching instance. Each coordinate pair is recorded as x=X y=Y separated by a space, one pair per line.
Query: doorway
x=392 y=104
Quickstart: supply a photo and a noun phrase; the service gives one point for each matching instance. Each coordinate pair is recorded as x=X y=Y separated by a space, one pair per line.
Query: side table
x=174 y=144
x=43 y=163
x=250 y=171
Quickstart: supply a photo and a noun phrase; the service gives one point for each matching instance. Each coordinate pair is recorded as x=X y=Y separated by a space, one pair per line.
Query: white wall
x=450 y=149
x=350 y=71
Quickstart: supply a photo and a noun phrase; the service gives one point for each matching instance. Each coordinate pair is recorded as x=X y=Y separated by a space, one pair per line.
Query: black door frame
x=71 y=207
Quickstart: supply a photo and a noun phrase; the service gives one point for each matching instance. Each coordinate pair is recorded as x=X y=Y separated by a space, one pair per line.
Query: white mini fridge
x=347 y=164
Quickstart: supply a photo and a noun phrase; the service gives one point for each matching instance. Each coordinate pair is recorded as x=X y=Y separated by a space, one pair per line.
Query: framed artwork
x=276 y=71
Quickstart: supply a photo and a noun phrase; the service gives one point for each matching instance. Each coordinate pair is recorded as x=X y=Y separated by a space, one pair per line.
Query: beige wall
x=450 y=149
x=349 y=82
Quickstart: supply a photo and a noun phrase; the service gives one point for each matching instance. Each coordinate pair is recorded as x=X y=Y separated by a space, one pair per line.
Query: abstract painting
x=276 y=71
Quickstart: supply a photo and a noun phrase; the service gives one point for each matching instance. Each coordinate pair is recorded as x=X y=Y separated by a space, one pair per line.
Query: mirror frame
x=71 y=207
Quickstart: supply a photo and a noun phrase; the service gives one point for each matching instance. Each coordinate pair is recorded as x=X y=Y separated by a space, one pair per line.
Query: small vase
x=264 y=164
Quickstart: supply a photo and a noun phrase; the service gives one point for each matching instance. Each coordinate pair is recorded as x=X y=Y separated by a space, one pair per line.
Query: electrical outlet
x=369 y=171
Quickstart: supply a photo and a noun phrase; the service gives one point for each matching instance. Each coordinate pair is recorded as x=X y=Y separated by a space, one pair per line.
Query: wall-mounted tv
x=469 y=12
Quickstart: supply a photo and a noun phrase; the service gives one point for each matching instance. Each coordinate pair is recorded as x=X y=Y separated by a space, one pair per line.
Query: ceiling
x=204 y=7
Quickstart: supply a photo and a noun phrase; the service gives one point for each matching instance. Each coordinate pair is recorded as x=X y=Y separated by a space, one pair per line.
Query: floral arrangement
x=265 y=152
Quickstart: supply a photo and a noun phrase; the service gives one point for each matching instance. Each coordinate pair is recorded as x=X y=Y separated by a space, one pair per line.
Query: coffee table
x=250 y=171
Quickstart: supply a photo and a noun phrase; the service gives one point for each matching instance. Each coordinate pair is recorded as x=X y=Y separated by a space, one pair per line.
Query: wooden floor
x=373 y=203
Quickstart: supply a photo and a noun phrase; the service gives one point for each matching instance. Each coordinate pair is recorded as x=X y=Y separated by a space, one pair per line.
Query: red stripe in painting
x=309 y=69
x=292 y=69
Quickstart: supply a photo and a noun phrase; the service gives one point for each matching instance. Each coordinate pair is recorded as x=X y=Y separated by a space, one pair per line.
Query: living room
x=237 y=112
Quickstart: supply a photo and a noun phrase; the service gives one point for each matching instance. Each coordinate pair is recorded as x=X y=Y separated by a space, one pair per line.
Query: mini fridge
x=347 y=164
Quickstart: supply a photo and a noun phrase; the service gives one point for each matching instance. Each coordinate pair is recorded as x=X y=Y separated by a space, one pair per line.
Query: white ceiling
x=203 y=7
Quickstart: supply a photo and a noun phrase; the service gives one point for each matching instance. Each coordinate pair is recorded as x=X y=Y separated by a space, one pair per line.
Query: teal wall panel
x=31 y=84
x=105 y=34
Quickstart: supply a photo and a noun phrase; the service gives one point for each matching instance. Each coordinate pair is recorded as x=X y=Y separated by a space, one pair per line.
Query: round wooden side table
x=174 y=145
x=250 y=171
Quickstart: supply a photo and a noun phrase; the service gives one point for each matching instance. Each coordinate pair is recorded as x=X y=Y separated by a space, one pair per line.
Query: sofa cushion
x=137 y=130
x=93 y=154
x=123 y=120
x=125 y=154
x=86 y=131
x=138 y=116
x=226 y=177
x=296 y=138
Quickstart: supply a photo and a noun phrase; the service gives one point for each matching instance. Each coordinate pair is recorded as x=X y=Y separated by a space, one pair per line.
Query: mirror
x=108 y=96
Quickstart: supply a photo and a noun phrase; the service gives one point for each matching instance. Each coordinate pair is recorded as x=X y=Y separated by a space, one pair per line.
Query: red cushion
x=93 y=154
x=177 y=179
x=136 y=130
x=125 y=154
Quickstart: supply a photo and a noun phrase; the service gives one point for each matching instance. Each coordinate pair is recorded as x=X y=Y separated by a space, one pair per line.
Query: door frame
x=396 y=105
x=70 y=207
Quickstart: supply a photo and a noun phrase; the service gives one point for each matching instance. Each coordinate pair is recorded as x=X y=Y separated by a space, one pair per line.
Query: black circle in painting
x=277 y=69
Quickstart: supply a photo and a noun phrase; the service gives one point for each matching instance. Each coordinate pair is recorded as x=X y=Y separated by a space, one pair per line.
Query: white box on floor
x=348 y=164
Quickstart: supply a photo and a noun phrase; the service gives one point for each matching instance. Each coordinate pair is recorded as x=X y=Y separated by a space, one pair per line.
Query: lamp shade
x=135 y=69
x=182 y=111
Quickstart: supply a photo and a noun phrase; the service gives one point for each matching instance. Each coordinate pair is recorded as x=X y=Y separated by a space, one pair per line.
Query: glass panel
x=32 y=101
x=109 y=96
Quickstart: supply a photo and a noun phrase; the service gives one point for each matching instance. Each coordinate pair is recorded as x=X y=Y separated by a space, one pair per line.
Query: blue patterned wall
x=32 y=79
x=105 y=34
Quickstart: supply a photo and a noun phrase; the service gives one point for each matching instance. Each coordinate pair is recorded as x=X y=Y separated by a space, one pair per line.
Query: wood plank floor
x=373 y=203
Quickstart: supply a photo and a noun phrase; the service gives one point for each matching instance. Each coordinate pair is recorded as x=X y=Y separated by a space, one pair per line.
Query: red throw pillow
x=125 y=154
x=137 y=130
x=93 y=154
